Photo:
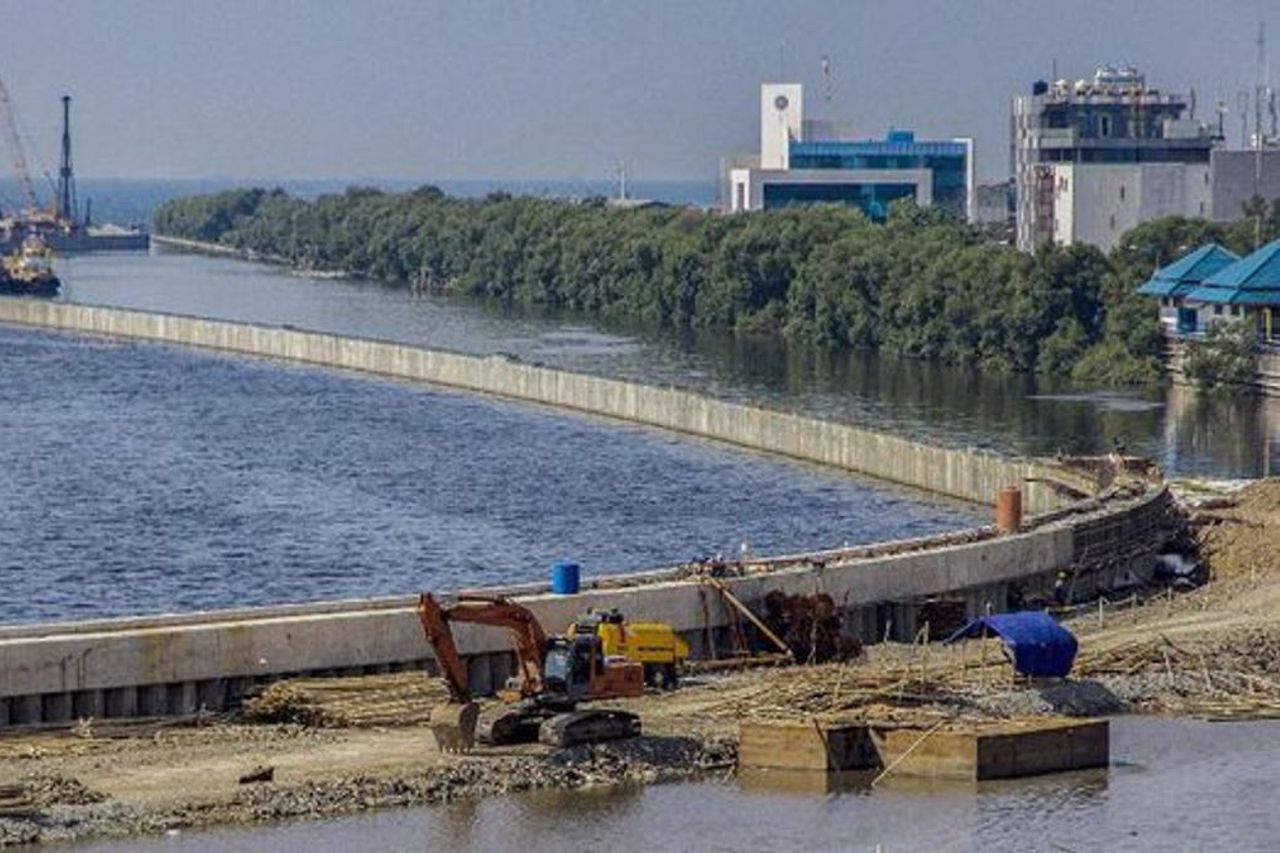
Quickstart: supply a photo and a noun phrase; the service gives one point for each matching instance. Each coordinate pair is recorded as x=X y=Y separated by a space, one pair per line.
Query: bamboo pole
x=742 y=608
x=885 y=772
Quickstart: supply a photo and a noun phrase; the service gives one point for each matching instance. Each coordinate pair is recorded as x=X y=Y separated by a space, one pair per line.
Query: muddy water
x=1173 y=785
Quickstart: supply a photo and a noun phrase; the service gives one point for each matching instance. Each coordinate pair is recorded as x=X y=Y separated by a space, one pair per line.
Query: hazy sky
x=558 y=89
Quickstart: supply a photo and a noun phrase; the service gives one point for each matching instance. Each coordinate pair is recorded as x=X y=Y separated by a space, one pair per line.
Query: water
x=1173 y=785
x=142 y=478
x=1188 y=434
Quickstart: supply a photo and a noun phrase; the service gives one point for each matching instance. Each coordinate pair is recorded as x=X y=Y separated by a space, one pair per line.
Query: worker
x=1060 y=588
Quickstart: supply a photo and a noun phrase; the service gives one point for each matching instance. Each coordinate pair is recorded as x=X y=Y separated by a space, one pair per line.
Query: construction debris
x=811 y=627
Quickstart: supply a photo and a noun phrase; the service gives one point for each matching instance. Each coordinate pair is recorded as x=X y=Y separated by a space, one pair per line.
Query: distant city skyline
x=565 y=91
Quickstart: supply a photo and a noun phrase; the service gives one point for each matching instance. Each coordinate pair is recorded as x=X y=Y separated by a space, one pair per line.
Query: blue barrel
x=565 y=578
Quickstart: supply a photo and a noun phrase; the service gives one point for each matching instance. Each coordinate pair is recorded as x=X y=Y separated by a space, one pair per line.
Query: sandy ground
x=1214 y=652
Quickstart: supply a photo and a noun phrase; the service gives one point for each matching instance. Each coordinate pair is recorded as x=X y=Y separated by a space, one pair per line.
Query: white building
x=810 y=162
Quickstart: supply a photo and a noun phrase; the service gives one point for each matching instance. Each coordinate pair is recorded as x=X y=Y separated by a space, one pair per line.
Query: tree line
x=922 y=284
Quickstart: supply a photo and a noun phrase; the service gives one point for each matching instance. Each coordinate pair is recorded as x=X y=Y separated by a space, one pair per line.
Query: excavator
x=555 y=674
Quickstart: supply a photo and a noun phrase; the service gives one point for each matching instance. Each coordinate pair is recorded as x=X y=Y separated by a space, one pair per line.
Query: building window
x=1113 y=222
x=1217 y=310
x=1235 y=310
x=1122 y=192
x=1104 y=125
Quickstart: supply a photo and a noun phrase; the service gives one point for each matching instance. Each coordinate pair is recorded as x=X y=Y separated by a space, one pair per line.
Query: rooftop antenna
x=1191 y=98
x=1259 y=88
x=1259 y=91
x=1242 y=103
x=622 y=181
x=1221 y=108
x=828 y=81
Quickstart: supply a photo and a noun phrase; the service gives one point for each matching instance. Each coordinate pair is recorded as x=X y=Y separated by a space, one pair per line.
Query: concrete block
x=210 y=694
x=121 y=701
x=88 y=704
x=181 y=698
x=56 y=707
x=25 y=710
x=480 y=675
x=153 y=700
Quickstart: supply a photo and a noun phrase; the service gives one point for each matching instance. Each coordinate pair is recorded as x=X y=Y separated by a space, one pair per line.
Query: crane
x=10 y=122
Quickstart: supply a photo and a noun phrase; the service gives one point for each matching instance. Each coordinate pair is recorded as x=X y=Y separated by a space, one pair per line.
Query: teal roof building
x=1213 y=285
x=1254 y=280
x=1189 y=272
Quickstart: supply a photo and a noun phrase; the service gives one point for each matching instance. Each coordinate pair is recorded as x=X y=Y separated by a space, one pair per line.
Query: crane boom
x=10 y=122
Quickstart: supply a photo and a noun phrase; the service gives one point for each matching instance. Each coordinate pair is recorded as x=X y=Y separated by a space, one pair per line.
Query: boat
x=59 y=224
x=29 y=270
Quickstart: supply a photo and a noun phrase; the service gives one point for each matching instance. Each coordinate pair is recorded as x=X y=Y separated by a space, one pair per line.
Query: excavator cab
x=576 y=668
x=571 y=665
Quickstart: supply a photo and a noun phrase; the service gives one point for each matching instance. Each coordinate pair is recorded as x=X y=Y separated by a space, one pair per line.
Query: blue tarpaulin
x=1040 y=646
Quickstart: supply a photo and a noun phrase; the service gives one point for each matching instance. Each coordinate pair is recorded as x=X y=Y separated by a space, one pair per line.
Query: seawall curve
x=179 y=663
x=973 y=475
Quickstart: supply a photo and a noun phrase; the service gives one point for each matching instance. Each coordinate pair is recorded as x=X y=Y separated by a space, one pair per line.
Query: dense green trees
x=921 y=284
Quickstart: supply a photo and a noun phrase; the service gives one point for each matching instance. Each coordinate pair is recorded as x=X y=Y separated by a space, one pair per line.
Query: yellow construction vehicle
x=654 y=644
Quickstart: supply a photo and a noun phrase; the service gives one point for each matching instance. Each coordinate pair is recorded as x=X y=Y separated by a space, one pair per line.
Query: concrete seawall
x=966 y=474
x=176 y=664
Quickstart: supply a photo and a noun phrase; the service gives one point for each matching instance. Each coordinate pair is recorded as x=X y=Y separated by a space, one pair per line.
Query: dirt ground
x=343 y=745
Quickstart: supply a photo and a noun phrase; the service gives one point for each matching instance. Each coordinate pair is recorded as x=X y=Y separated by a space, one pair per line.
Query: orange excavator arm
x=526 y=633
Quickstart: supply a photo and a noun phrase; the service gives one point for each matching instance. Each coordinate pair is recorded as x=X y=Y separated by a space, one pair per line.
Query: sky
x=563 y=89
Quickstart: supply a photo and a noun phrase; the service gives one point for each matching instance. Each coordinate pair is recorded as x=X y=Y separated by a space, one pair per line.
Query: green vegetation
x=920 y=285
x=1225 y=357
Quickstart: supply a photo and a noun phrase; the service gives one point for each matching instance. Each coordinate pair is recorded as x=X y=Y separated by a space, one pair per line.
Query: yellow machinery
x=654 y=644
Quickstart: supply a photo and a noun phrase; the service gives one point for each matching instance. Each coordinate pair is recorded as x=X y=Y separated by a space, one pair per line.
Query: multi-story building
x=1092 y=159
x=808 y=162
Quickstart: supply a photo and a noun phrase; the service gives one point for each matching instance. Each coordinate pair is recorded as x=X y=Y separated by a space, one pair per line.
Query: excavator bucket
x=454 y=726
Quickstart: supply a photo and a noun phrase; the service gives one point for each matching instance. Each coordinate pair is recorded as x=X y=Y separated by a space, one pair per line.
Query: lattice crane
x=9 y=121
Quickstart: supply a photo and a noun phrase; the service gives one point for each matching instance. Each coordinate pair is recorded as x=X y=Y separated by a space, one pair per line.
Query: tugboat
x=29 y=271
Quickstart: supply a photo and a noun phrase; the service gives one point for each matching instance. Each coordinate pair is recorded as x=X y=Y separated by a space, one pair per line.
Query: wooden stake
x=885 y=772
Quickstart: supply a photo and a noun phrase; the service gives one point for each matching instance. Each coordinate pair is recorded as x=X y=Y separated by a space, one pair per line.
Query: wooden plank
x=805 y=745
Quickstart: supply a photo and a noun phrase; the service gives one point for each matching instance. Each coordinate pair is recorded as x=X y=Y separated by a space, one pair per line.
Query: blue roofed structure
x=1212 y=285
x=1039 y=645
x=1253 y=280
x=1185 y=274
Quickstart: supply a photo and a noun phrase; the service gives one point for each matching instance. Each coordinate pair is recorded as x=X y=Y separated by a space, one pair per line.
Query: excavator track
x=593 y=725
x=505 y=726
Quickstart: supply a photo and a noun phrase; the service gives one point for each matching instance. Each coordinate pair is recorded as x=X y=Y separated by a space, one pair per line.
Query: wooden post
x=764 y=629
